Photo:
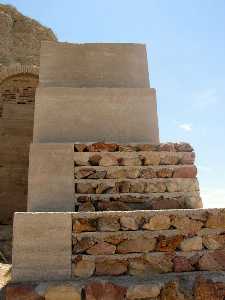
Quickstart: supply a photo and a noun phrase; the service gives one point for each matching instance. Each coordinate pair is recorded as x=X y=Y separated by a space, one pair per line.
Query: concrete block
x=94 y=65
x=95 y=114
x=41 y=246
x=51 y=177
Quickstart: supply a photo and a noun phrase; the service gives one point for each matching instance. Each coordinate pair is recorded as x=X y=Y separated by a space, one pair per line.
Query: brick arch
x=17 y=69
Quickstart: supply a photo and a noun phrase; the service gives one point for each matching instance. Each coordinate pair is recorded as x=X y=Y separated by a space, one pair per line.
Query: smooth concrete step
x=137 y=201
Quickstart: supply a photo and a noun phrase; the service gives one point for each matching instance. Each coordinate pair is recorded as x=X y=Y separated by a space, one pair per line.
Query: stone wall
x=19 y=60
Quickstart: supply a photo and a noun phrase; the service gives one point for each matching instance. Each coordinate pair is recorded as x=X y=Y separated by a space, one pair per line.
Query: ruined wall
x=20 y=39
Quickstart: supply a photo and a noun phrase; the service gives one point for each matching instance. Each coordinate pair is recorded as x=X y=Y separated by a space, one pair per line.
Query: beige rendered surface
x=94 y=65
x=41 y=246
x=50 y=179
x=121 y=115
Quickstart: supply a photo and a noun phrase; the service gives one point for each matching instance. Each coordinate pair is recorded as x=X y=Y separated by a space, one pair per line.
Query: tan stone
x=169 y=159
x=171 y=292
x=83 y=268
x=129 y=223
x=83 y=225
x=101 y=147
x=130 y=161
x=108 y=224
x=148 y=173
x=216 y=220
x=86 y=187
x=111 y=267
x=169 y=243
x=137 y=187
x=159 y=263
x=143 y=291
x=155 y=187
x=151 y=158
x=213 y=261
x=158 y=222
x=104 y=291
x=140 y=244
x=191 y=244
x=108 y=160
x=214 y=242
x=87 y=206
x=165 y=173
x=185 y=172
x=62 y=292
x=101 y=248
x=186 y=224
x=105 y=188
x=82 y=245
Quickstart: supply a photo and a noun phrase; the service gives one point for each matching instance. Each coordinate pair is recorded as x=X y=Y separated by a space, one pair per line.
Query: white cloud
x=186 y=127
x=213 y=197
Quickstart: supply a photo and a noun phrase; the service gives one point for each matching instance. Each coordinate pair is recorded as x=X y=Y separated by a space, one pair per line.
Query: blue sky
x=186 y=52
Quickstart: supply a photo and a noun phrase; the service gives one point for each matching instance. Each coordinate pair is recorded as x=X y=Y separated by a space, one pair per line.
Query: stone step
x=154 y=185
x=135 y=147
x=123 y=172
x=141 y=158
x=137 y=201
x=123 y=242
x=190 y=285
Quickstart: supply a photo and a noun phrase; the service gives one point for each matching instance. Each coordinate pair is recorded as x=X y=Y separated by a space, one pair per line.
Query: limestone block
x=93 y=114
x=41 y=246
x=94 y=65
x=50 y=179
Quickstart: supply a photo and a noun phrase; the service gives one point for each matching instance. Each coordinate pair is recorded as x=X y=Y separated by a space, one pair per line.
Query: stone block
x=50 y=179
x=94 y=65
x=42 y=246
x=93 y=114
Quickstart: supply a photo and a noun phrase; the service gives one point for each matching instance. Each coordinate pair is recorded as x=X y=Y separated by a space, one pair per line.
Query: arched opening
x=17 y=95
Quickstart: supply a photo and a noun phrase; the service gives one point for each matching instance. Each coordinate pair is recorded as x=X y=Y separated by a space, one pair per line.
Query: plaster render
x=95 y=114
x=94 y=65
x=50 y=179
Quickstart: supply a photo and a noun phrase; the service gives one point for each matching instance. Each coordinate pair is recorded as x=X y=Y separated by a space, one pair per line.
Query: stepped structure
x=112 y=213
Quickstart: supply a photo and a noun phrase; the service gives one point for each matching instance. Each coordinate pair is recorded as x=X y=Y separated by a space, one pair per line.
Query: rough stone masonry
x=112 y=212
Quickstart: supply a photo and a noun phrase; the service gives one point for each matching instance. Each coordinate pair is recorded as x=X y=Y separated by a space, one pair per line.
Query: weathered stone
x=169 y=159
x=147 y=147
x=102 y=147
x=137 y=187
x=97 y=175
x=143 y=291
x=130 y=161
x=83 y=268
x=155 y=187
x=108 y=224
x=123 y=186
x=158 y=222
x=136 y=245
x=171 y=292
x=111 y=267
x=108 y=160
x=167 y=203
x=83 y=173
x=169 y=147
x=187 y=158
x=104 y=291
x=182 y=264
x=22 y=292
x=82 y=245
x=80 y=148
x=150 y=158
x=209 y=290
x=214 y=242
x=165 y=173
x=185 y=172
x=101 y=248
x=169 y=243
x=213 y=261
x=86 y=187
x=129 y=223
x=148 y=173
x=216 y=220
x=191 y=244
x=63 y=292
x=83 y=225
x=159 y=263
x=105 y=188
x=112 y=206
x=186 y=224
x=127 y=148
x=94 y=159
x=87 y=206
x=183 y=147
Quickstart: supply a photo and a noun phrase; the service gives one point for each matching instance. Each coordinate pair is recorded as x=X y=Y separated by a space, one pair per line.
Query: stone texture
x=101 y=248
x=158 y=222
x=186 y=224
x=22 y=292
x=214 y=242
x=213 y=261
x=137 y=245
x=170 y=243
x=129 y=223
x=143 y=291
x=216 y=220
x=111 y=267
x=81 y=225
x=108 y=224
x=171 y=292
x=83 y=268
x=63 y=292
x=191 y=244
x=104 y=291
x=209 y=290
